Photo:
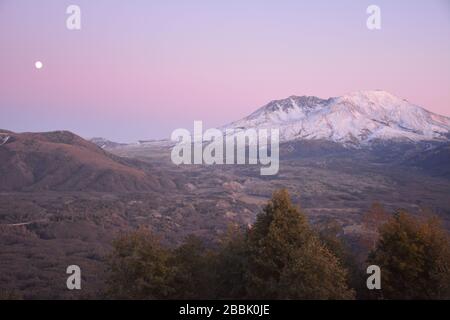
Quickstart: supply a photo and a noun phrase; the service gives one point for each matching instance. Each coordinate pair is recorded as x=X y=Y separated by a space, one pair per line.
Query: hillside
x=63 y=161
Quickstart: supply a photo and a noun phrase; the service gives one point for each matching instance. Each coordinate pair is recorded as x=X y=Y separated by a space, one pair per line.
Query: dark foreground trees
x=414 y=257
x=283 y=257
x=141 y=268
x=287 y=260
x=138 y=267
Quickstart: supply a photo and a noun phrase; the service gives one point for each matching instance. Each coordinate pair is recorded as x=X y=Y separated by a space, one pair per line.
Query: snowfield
x=357 y=118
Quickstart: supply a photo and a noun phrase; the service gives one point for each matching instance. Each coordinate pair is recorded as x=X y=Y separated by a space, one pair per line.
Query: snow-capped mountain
x=357 y=118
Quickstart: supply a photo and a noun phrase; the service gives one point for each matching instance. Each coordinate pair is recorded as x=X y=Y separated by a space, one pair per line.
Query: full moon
x=38 y=65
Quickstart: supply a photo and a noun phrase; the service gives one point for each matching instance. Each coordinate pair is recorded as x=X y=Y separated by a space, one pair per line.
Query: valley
x=63 y=199
x=44 y=231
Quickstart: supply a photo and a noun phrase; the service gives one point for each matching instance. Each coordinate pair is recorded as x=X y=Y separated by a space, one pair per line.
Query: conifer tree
x=138 y=267
x=287 y=260
x=414 y=257
x=230 y=265
x=191 y=270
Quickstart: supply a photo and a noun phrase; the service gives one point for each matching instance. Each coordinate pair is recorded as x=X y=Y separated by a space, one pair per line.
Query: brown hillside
x=63 y=161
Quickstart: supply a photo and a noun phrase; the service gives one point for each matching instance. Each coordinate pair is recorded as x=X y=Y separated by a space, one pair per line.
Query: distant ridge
x=63 y=161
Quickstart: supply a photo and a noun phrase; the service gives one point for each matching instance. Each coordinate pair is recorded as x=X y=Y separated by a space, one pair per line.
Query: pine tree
x=287 y=260
x=331 y=234
x=414 y=257
x=230 y=265
x=191 y=271
x=138 y=267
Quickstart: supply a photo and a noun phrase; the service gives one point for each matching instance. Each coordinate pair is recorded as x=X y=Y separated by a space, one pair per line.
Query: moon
x=38 y=64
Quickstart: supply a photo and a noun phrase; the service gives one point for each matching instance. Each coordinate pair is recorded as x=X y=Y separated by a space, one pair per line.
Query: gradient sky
x=140 y=69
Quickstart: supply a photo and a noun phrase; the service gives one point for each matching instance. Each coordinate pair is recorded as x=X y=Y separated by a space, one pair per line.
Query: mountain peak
x=355 y=118
x=293 y=106
x=293 y=101
x=379 y=97
x=371 y=94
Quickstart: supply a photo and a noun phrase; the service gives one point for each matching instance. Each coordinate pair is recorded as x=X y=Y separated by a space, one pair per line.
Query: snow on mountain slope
x=356 y=118
x=105 y=143
x=4 y=138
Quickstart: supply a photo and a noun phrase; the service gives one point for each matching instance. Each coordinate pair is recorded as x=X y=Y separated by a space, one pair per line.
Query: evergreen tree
x=138 y=267
x=331 y=234
x=414 y=257
x=287 y=260
x=191 y=271
x=230 y=265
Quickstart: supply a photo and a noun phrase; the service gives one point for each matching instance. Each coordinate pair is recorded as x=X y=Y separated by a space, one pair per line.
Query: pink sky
x=142 y=69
